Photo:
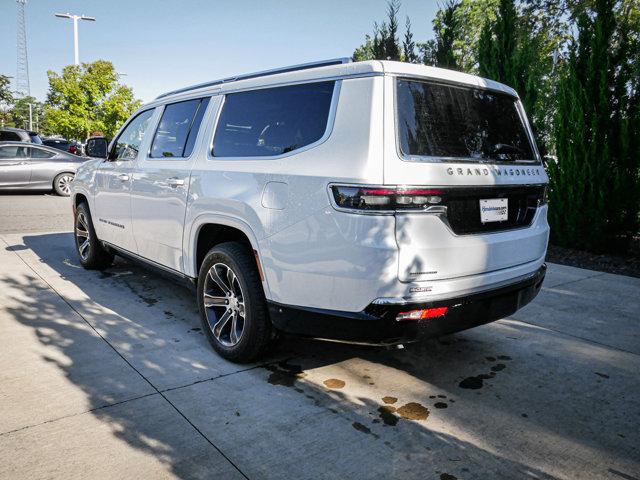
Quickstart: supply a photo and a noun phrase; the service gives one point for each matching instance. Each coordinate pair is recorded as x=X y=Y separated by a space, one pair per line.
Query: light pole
x=75 y=19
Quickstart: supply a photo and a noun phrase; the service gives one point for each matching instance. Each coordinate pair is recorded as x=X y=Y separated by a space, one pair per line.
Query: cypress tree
x=408 y=45
x=446 y=29
x=595 y=189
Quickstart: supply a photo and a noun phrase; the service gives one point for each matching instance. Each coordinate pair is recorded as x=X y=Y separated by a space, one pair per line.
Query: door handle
x=175 y=182
x=123 y=177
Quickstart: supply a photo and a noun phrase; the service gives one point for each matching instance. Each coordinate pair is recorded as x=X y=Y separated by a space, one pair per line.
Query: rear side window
x=273 y=121
x=178 y=129
x=9 y=136
x=41 y=153
x=436 y=120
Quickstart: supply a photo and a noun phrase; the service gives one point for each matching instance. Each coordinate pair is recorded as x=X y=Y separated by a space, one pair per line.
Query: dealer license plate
x=494 y=210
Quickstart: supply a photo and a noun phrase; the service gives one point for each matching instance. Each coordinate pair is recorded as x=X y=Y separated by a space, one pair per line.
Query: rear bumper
x=377 y=323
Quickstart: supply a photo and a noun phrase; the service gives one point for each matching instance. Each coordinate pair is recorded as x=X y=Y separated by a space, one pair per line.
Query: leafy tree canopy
x=87 y=98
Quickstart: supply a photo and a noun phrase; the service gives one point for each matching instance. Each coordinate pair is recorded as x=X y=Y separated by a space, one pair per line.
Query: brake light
x=423 y=313
x=386 y=199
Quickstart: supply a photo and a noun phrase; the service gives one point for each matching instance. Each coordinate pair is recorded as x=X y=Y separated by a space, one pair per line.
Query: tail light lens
x=386 y=199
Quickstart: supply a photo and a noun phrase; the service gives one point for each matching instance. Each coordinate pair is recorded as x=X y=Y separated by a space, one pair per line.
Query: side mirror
x=97 y=147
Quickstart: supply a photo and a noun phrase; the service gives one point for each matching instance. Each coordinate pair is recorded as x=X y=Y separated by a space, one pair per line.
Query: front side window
x=128 y=144
x=178 y=128
x=13 y=151
x=273 y=121
x=435 y=120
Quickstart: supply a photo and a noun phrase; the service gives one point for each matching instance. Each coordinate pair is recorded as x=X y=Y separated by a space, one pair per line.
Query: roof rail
x=264 y=73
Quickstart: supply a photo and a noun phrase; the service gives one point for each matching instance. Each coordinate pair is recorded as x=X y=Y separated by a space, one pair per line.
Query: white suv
x=375 y=202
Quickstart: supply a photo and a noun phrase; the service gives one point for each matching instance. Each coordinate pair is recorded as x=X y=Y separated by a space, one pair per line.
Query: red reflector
x=422 y=314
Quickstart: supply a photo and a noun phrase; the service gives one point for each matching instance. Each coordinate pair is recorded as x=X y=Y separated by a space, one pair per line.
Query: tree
x=87 y=98
x=445 y=26
x=6 y=98
x=384 y=44
x=497 y=45
x=470 y=17
x=5 y=90
x=595 y=185
x=408 y=45
x=19 y=112
x=392 y=45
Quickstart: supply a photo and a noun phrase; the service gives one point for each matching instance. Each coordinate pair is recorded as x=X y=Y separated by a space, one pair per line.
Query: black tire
x=62 y=184
x=92 y=255
x=246 y=296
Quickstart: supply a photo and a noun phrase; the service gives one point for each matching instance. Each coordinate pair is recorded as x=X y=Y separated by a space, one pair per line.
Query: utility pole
x=75 y=18
x=31 y=117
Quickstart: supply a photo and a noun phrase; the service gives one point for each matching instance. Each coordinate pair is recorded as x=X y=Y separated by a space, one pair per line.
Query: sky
x=162 y=45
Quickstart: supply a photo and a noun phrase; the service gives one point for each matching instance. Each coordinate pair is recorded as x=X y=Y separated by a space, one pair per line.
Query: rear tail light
x=386 y=199
x=422 y=314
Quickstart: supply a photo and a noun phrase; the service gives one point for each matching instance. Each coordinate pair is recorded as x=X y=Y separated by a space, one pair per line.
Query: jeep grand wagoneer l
x=376 y=202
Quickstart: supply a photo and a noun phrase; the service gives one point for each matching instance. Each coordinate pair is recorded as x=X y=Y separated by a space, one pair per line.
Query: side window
x=41 y=153
x=178 y=129
x=129 y=141
x=272 y=121
x=9 y=136
x=13 y=151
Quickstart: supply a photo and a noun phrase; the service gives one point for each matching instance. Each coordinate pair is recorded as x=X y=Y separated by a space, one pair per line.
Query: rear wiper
x=506 y=148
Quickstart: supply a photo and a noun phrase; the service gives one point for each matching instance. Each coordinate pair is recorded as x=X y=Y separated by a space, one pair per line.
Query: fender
x=190 y=241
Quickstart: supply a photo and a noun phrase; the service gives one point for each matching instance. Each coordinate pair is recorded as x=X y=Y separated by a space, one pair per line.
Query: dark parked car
x=64 y=145
x=36 y=167
x=10 y=134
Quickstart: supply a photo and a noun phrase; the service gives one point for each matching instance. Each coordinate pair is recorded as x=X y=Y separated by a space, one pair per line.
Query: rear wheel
x=90 y=251
x=62 y=184
x=232 y=304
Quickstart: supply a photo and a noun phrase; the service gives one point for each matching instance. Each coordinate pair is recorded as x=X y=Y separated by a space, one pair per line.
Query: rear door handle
x=175 y=182
x=123 y=177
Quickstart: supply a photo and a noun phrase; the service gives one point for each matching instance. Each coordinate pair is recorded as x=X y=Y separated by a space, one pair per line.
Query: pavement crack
x=77 y=414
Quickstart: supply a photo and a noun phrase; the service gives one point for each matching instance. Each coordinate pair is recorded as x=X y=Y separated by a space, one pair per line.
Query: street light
x=75 y=19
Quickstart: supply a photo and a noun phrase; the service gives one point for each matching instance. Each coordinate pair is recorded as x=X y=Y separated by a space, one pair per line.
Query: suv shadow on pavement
x=463 y=405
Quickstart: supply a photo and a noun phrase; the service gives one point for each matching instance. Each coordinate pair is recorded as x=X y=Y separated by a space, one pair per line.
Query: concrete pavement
x=107 y=375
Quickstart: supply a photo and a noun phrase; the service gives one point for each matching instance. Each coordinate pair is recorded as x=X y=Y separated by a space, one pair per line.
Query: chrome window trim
x=442 y=159
x=333 y=107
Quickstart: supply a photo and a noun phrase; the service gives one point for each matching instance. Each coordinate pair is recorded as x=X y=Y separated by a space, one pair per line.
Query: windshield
x=436 y=120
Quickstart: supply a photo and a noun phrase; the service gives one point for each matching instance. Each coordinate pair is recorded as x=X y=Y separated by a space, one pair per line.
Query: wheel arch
x=210 y=230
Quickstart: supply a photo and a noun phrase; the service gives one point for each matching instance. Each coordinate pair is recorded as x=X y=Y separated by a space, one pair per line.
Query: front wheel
x=232 y=304
x=90 y=251
x=62 y=184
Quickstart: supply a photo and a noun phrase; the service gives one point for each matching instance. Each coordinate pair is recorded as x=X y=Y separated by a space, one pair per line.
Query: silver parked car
x=27 y=166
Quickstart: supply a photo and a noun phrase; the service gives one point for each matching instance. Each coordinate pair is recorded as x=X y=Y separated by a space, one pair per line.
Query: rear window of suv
x=273 y=121
x=436 y=120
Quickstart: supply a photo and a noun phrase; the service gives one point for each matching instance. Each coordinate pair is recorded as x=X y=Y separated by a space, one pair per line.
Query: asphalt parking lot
x=107 y=375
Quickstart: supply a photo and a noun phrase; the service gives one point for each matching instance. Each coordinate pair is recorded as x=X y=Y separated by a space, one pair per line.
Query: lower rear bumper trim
x=377 y=324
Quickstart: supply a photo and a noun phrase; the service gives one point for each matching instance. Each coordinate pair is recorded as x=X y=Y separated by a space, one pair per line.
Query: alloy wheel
x=82 y=235
x=224 y=304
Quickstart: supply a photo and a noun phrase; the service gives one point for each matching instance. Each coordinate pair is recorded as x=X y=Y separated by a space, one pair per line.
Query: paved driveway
x=107 y=375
